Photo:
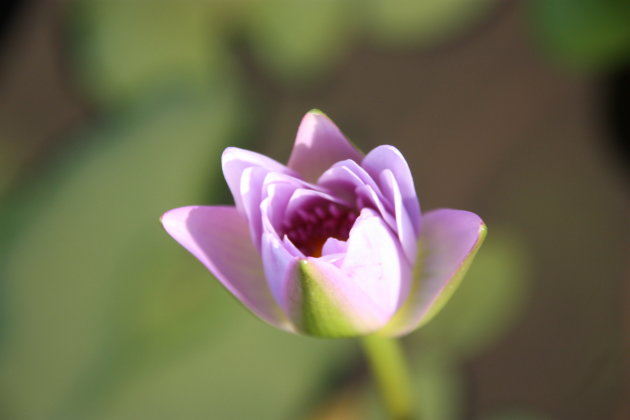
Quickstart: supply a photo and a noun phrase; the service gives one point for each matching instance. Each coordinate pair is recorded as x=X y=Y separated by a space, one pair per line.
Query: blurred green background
x=113 y=111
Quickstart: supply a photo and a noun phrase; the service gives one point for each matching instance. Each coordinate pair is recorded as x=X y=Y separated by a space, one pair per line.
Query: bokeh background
x=113 y=111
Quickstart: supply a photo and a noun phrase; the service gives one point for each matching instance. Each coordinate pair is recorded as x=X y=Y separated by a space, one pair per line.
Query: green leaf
x=410 y=22
x=124 y=49
x=88 y=229
x=299 y=40
x=106 y=317
x=588 y=34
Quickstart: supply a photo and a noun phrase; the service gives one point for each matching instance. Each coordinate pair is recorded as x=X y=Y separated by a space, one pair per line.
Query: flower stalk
x=387 y=362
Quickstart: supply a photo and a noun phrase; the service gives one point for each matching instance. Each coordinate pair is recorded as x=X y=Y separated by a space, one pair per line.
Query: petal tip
x=172 y=218
x=316 y=111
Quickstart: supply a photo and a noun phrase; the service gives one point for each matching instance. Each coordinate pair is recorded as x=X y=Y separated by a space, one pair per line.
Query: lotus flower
x=333 y=244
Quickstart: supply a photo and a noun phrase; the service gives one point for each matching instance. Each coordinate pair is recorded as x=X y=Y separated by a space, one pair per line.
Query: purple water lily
x=332 y=244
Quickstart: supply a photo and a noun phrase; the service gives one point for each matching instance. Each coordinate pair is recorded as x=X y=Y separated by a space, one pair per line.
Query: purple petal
x=307 y=198
x=375 y=258
x=252 y=179
x=368 y=197
x=388 y=157
x=235 y=161
x=280 y=267
x=449 y=241
x=278 y=190
x=318 y=145
x=343 y=178
x=218 y=237
x=404 y=227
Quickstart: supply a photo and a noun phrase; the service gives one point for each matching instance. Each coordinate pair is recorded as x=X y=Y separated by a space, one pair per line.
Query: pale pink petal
x=449 y=241
x=334 y=246
x=318 y=145
x=375 y=258
x=218 y=237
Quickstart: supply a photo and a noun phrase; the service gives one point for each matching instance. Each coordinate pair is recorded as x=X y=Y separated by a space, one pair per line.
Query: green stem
x=387 y=361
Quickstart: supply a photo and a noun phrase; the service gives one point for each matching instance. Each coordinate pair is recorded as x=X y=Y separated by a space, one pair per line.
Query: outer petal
x=251 y=191
x=388 y=157
x=319 y=144
x=218 y=237
x=325 y=302
x=449 y=241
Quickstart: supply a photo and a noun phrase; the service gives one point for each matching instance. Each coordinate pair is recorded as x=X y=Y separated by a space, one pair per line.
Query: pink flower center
x=311 y=227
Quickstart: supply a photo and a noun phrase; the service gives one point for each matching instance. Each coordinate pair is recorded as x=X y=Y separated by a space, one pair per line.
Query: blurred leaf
x=409 y=22
x=62 y=276
x=10 y=159
x=244 y=370
x=437 y=384
x=488 y=300
x=297 y=40
x=344 y=404
x=584 y=33
x=108 y=318
x=125 y=48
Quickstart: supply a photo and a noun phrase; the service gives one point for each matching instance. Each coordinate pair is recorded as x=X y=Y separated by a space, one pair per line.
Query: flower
x=333 y=244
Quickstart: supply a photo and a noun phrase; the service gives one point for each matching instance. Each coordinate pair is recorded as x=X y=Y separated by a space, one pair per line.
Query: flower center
x=311 y=227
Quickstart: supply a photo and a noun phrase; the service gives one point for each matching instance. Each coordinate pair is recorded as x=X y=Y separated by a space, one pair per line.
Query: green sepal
x=321 y=313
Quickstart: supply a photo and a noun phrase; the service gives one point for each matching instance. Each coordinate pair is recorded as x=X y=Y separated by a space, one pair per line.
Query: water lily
x=333 y=244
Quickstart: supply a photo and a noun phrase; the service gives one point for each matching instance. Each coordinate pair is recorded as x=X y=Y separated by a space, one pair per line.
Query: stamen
x=334 y=210
x=321 y=213
x=311 y=227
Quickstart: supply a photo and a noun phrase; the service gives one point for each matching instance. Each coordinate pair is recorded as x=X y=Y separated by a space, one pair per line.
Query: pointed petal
x=449 y=242
x=327 y=303
x=388 y=157
x=318 y=145
x=235 y=161
x=218 y=237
